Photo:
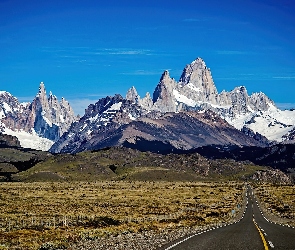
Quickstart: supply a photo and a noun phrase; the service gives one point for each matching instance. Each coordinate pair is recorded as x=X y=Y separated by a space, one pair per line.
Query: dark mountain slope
x=279 y=156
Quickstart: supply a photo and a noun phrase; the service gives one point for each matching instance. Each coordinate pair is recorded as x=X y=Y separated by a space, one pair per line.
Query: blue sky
x=85 y=50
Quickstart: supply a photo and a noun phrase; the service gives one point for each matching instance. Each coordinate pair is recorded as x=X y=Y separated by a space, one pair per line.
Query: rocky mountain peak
x=163 y=96
x=261 y=101
x=165 y=76
x=45 y=118
x=198 y=63
x=146 y=102
x=192 y=106
x=196 y=83
x=8 y=103
x=164 y=87
x=51 y=117
x=40 y=101
x=196 y=89
x=102 y=105
x=193 y=69
x=42 y=90
x=4 y=94
x=132 y=95
x=240 y=91
x=65 y=104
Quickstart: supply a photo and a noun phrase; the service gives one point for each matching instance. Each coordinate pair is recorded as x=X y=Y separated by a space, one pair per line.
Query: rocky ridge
x=115 y=121
x=37 y=124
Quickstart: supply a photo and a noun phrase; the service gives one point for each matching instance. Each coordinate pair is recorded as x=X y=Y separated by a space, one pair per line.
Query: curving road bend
x=253 y=232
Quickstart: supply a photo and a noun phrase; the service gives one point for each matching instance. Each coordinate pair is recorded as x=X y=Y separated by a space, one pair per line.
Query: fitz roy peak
x=196 y=89
x=37 y=124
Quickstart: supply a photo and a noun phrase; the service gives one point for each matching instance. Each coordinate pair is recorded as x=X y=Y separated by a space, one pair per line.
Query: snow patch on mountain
x=273 y=123
x=183 y=99
x=47 y=120
x=6 y=107
x=193 y=87
x=239 y=121
x=116 y=106
x=30 y=140
x=131 y=117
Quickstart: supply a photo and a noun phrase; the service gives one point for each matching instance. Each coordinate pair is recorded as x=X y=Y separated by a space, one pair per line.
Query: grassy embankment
x=62 y=212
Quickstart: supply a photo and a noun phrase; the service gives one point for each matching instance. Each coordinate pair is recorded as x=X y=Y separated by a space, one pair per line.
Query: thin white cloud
x=142 y=73
x=123 y=51
x=75 y=52
x=246 y=77
x=131 y=52
x=232 y=52
x=284 y=77
x=199 y=19
x=98 y=95
x=285 y=105
x=229 y=78
x=191 y=20
x=241 y=77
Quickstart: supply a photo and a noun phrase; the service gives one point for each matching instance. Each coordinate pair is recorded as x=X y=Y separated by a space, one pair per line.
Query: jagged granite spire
x=50 y=118
x=146 y=102
x=197 y=83
x=132 y=95
x=164 y=87
x=41 y=98
x=163 y=96
x=197 y=65
x=42 y=89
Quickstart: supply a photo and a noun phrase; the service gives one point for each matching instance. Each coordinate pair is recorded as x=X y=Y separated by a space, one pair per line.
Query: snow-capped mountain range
x=182 y=114
x=196 y=90
x=37 y=124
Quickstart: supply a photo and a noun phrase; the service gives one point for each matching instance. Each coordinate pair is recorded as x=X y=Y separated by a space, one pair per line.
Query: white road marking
x=271 y=244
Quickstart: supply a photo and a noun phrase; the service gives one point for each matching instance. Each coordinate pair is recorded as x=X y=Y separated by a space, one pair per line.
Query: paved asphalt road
x=252 y=232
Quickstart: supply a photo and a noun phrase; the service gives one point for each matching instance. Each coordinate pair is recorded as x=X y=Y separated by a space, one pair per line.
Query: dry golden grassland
x=278 y=202
x=59 y=212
